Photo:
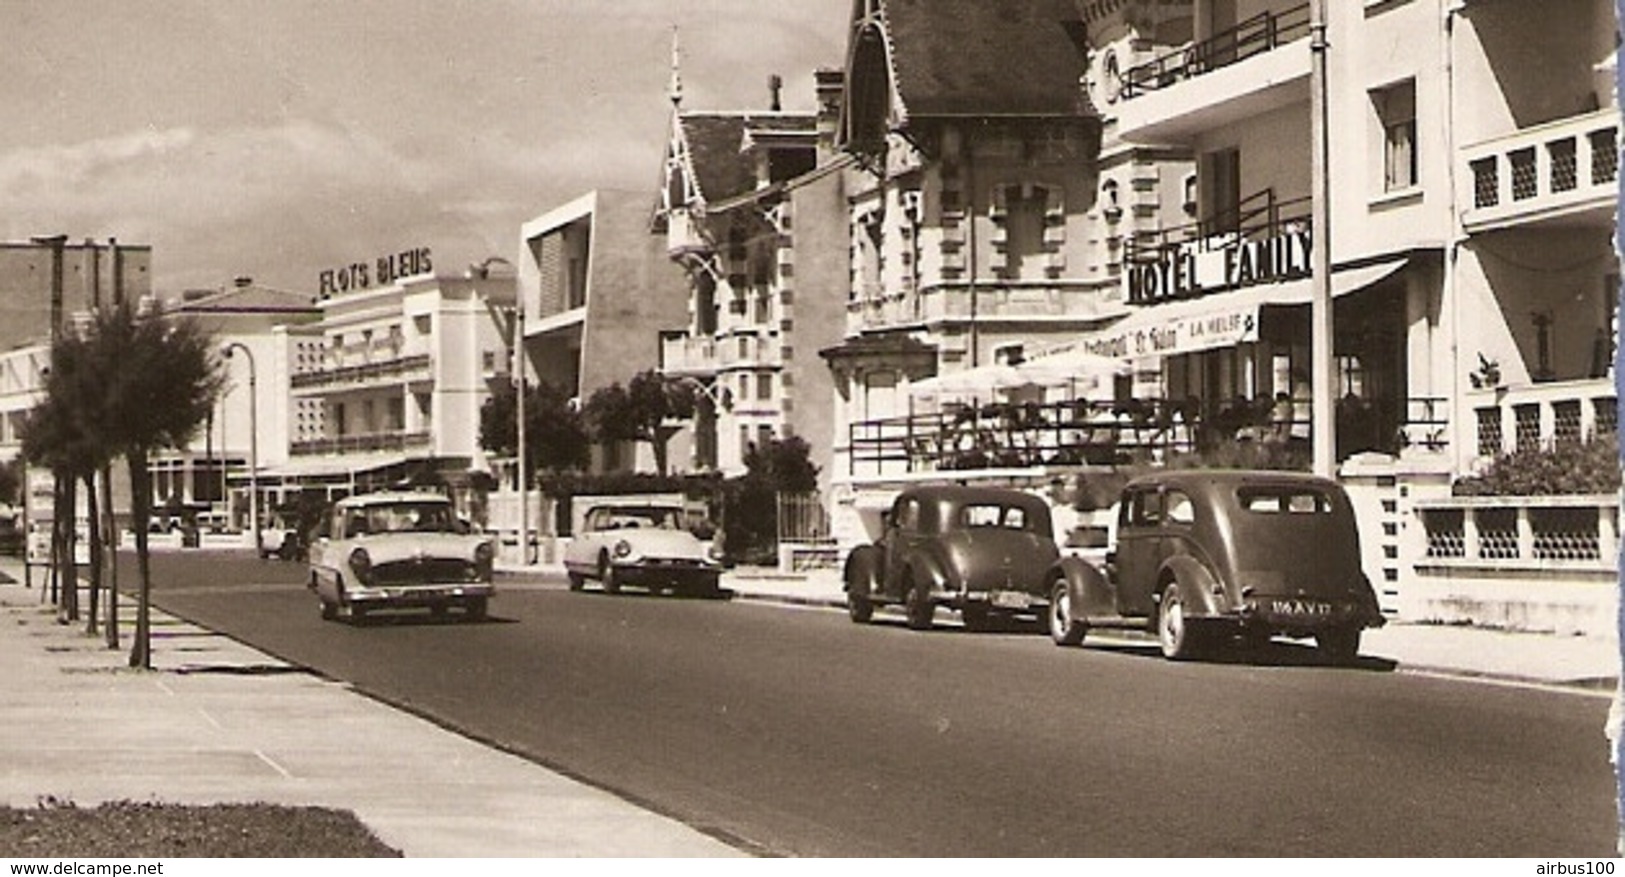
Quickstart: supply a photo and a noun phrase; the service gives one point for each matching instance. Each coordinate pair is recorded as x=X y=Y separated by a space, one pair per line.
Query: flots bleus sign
x=384 y=269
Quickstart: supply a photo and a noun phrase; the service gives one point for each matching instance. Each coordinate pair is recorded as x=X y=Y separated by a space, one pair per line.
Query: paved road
x=794 y=731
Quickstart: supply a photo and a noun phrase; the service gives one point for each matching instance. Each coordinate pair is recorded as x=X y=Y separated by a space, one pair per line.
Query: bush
x=1567 y=468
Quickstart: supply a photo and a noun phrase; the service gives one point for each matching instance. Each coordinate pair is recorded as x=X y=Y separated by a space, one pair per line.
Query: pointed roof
x=715 y=147
x=248 y=299
x=984 y=57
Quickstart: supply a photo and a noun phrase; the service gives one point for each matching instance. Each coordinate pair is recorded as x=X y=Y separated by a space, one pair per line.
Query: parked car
x=982 y=551
x=399 y=551
x=1204 y=556
x=643 y=545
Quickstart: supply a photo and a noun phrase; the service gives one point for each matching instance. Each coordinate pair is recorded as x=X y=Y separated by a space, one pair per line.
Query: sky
x=275 y=139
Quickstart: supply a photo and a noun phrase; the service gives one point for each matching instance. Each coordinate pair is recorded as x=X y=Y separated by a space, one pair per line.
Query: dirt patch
x=126 y=829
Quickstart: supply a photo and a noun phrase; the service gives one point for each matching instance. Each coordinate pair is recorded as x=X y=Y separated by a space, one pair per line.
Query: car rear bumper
x=1305 y=617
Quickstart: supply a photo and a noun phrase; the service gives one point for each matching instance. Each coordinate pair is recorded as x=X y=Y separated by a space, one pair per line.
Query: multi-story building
x=971 y=187
x=91 y=274
x=743 y=193
x=597 y=290
x=386 y=387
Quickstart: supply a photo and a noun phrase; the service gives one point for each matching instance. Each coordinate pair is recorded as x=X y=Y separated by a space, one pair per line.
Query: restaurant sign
x=1174 y=334
x=385 y=269
x=1189 y=272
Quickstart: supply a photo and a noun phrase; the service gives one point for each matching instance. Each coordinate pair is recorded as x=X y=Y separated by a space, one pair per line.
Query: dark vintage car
x=982 y=551
x=1204 y=556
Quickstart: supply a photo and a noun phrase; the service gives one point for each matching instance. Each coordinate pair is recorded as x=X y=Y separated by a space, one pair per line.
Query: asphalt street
x=794 y=731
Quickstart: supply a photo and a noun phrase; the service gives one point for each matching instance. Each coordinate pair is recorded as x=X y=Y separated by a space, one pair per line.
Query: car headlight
x=484 y=559
x=361 y=565
x=623 y=548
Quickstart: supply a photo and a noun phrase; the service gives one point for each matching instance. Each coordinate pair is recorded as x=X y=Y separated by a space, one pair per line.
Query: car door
x=1139 y=549
x=902 y=537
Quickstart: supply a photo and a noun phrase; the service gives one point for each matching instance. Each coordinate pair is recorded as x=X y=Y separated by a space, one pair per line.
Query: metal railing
x=1255 y=36
x=350 y=444
x=357 y=373
x=1259 y=216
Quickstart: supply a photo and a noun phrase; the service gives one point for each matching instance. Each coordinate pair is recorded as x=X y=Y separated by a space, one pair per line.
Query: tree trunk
x=141 y=513
x=70 y=558
x=92 y=509
x=112 y=566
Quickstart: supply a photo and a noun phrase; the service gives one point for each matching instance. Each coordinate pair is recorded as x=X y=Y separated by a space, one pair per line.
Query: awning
x=327 y=467
x=1221 y=320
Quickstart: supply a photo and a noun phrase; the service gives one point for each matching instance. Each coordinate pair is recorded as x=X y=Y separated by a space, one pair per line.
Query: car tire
x=1174 y=634
x=577 y=581
x=606 y=575
x=976 y=617
x=358 y=614
x=1340 y=645
x=330 y=611
x=1064 y=628
x=476 y=609
x=921 y=611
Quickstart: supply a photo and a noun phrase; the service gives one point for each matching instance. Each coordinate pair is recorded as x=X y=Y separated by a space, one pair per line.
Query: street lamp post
x=253 y=442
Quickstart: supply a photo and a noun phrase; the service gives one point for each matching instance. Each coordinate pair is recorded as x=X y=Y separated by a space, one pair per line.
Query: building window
x=1024 y=228
x=1395 y=107
x=764 y=435
x=764 y=386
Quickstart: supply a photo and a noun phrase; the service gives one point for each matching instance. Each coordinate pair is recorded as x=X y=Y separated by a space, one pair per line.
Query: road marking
x=1530 y=684
x=210 y=719
x=274 y=766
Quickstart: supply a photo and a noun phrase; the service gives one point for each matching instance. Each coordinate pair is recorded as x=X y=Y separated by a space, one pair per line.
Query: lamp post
x=253 y=442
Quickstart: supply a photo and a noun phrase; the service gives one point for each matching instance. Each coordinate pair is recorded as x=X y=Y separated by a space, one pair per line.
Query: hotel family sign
x=1191 y=317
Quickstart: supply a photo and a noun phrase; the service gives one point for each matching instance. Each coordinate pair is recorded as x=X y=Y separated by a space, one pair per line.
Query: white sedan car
x=399 y=551
x=643 y=545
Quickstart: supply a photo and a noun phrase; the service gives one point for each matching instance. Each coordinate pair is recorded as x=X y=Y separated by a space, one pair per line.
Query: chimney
x=830 y=85
x=775 y=85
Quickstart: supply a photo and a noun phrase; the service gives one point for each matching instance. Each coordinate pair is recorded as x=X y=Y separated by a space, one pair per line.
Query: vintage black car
x=982 y=551
x=1204 y=556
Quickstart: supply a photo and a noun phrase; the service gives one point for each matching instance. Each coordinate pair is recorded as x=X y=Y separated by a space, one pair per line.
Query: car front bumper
x=669 y=574
x=410 y=596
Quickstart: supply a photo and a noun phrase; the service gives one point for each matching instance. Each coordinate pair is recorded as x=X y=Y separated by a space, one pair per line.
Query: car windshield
x=403 y=517
x=645 y=517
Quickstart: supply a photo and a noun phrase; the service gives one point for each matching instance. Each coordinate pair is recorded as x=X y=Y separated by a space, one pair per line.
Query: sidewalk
x=218 y=722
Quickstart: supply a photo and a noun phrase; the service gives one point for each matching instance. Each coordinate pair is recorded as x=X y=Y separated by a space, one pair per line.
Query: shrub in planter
x=1566 y=468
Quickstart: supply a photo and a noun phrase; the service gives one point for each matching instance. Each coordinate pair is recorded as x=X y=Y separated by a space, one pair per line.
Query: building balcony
x=361 y=444
x=391 y=371
x=754 y=351
x=1562 y=172
x=1542 y=415
x=683 y=354
x=990 y=302
x=1259 y=65
x=683 y=235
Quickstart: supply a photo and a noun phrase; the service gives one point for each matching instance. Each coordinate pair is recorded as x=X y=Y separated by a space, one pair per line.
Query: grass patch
x=126 y=829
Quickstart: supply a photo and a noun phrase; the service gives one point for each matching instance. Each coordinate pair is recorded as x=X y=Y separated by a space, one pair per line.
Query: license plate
x=1302 y=608
x=1010 y=600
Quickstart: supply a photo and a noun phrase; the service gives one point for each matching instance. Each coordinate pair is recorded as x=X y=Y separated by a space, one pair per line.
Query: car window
x=1180 y=509
x=1284 y=500
x=908 y=514
x=992 y=515
x=635 y=518
x=1144 y=509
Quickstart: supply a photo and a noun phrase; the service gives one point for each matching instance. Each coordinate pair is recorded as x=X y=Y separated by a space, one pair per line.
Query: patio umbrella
x=981 y=380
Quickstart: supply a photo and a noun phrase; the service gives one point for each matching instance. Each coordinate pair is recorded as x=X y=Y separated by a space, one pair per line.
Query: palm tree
x=152 y=383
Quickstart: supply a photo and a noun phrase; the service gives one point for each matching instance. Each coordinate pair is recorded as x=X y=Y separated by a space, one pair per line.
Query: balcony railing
x=352 y=374
x=356 y=444
x=1261 y=33
x=686 y=354
x=1543 y=415
x=1571 y=164
x=989 y=301
x=1521 y=532
x=1259 y=216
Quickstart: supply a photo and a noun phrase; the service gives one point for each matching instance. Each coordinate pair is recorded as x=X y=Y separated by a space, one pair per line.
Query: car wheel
x=1340 y=645
x=921 y=610
x=577 y=581
x=606 y=575
x=330 y=611
x=1064 y=629
x=1173 y=633
x=476 y=609
x=358 y=614
x=976 y=617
